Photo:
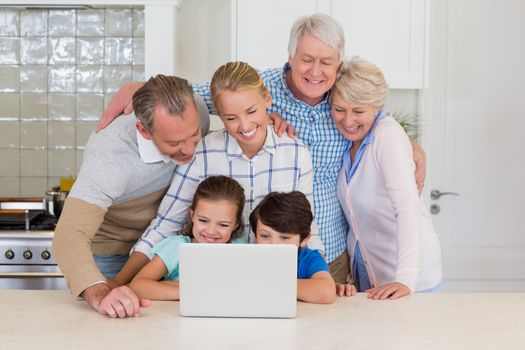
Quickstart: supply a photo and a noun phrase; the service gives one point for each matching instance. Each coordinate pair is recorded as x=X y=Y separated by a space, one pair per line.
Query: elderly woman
x=393 y=248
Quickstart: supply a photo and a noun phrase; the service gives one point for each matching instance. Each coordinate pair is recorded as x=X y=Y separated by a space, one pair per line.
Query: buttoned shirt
x=349 y=166
x=316 y=128
x=283 y=164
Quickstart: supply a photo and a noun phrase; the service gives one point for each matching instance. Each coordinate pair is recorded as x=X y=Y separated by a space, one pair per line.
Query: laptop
x=238 y=280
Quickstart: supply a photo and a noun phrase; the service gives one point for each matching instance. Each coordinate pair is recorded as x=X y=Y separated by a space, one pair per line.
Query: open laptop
x=238 y=280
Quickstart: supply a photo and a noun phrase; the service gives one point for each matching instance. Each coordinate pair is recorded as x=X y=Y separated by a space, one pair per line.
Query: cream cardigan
x=387 y=216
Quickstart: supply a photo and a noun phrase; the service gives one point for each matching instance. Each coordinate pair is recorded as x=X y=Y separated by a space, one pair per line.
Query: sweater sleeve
x=393 y=154
x=71 y=248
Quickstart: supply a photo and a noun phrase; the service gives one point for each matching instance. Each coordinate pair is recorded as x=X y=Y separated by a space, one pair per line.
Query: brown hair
x=217 y=188
x=284 y=212
x=173 y=93
x=235 y=76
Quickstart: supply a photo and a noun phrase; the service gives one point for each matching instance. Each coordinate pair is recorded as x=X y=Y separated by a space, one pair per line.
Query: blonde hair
x=324 y=27
x=360 y=81
x=235 y=76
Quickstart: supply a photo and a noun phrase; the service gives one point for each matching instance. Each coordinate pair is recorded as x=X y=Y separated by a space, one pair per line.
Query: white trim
x=160 y=39
x=233 y=28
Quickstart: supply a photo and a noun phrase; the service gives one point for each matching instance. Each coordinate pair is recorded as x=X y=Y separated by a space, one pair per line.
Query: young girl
x=215 y=217
x=246 y=149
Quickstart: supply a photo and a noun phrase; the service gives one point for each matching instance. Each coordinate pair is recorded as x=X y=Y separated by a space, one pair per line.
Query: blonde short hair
x=235 y=76
x=360 y=81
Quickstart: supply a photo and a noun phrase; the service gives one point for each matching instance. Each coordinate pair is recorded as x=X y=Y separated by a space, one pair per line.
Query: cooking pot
x=57 y=197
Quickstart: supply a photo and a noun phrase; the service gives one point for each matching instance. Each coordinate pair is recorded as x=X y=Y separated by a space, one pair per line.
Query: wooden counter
x=55 y=320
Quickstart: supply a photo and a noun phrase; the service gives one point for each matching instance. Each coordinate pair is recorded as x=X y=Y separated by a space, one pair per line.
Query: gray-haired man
x=126 y=171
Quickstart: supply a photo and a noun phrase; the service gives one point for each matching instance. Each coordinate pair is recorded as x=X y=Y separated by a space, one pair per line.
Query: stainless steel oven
x=26 y=234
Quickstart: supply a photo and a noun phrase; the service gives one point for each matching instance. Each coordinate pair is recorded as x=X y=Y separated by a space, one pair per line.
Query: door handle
x=435 y=194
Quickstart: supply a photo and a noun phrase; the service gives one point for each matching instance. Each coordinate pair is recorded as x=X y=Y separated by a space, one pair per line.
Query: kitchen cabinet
x=389 y=33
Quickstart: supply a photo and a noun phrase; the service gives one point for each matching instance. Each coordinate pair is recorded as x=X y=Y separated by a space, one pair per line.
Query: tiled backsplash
x=58 y=69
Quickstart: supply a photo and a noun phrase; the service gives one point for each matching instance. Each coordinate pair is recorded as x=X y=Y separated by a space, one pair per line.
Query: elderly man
x=126 y=171
x=300 y=94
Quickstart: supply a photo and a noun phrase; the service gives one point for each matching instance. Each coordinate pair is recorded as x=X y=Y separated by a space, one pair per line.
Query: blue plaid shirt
x=318 y=132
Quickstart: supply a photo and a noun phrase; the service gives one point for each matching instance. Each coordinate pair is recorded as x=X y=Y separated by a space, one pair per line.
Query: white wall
x=210 y=49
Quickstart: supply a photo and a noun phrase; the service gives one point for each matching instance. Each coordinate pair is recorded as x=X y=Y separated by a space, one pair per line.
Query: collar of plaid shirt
x=234 y=150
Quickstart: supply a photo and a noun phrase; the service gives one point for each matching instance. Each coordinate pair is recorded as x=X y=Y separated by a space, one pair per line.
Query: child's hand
x=345 y=290
x=392 y=290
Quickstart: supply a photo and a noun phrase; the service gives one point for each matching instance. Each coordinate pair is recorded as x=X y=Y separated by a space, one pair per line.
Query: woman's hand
x=280 y=126
x=345 y=290
x=392 y=290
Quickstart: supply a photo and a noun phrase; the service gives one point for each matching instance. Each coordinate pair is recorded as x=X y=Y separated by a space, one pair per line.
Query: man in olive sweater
x=126 y=171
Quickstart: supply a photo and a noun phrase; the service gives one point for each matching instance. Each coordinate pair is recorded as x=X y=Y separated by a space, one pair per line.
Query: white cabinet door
x=390 y=33
x=263 y=28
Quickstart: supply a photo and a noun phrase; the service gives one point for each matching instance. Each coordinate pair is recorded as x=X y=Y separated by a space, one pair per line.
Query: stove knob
x=27 y=254
x=9 y=254
x=45 y=255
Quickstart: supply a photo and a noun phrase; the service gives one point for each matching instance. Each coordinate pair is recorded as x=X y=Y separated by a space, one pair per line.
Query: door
x=473 y=131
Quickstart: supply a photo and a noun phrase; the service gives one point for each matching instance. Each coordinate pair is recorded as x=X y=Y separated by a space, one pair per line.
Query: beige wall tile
x=89 y=107
x=10 y=81
x=33 y=163
x=33 y=106
x=9 y=186
x=61 y=163
x=9 y=105
x=61 y=135
x=61 y=107
x=33 y=135
x=9 y=134
x=9 y=162
x=34 y=186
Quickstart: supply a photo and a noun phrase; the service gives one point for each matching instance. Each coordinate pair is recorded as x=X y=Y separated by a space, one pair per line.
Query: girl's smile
x=213 y=221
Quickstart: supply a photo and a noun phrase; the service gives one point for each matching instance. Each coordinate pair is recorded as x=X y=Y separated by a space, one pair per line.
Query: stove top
x=43 y=222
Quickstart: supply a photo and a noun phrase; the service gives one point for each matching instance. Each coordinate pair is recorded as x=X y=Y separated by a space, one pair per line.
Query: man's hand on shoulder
x=119 y=302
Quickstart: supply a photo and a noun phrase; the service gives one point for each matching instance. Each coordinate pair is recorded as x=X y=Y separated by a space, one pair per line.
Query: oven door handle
x=30 y=274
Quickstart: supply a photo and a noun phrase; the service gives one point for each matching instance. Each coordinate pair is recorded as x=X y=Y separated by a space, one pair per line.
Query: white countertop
x=53 y=319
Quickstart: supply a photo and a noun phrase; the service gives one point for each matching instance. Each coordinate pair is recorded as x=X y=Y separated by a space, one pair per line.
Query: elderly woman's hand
x=393 y=290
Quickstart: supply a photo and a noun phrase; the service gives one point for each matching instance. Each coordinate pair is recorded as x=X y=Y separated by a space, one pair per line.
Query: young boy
x=285 y=218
